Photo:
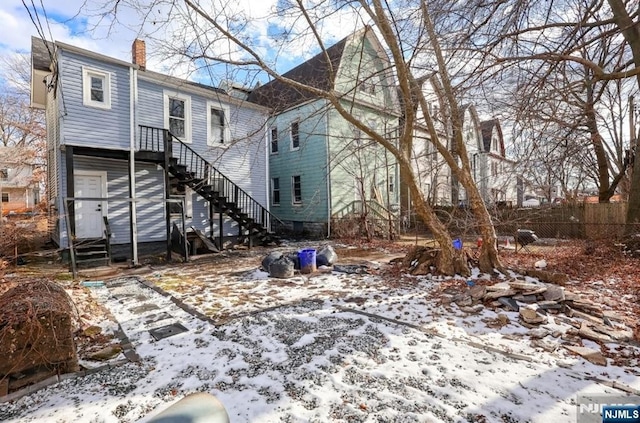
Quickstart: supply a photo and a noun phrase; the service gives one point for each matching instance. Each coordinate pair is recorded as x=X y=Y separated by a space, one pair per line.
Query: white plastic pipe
x=200 y=407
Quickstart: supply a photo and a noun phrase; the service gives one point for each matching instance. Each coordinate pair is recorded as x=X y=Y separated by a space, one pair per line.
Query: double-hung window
x=218 y=124
x=295 y=135
x=274 y=140
x=5 y=197
x=275 y=191
x=177 y=117
x=96 y=88
x=296 y=189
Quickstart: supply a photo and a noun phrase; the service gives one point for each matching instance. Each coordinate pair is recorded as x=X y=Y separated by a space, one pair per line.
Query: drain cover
x=167 y=331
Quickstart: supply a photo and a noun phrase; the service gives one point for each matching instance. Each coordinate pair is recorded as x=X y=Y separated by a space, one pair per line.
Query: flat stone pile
x=536 y=302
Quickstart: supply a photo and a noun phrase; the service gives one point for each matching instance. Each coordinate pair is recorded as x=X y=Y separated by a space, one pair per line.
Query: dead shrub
x=37 y=324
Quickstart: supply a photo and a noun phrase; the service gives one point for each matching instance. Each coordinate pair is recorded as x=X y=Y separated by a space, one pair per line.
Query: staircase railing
x=162 y=140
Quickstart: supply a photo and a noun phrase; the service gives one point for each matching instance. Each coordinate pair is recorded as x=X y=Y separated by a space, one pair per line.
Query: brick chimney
x=139 y=53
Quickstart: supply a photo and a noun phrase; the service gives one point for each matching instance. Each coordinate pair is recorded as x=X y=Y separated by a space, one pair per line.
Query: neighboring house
x=493 y=172
x=321 y=166
x=18 y=189
x=498 y=186
x=123 y=140
x=429 y=167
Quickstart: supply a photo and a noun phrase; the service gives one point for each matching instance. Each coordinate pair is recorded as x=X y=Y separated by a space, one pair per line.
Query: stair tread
x=209 y=186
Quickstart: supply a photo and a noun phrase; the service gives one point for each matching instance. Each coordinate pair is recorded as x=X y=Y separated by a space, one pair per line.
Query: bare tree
x=20 y=125
x=221 y=35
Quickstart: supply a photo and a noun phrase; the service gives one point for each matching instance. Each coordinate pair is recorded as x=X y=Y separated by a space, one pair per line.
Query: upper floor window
x=218 y=124
x=275 y=191
x=177 y=115
x=296 y=189
x=274 y=140
x=367 y=86
x=495 y=144
x=295 y=135
x=96 y=88
x=4 y=174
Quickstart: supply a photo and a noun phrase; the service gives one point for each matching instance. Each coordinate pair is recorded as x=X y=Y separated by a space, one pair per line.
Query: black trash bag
x=270 y=258
x=295 y=259
x=326 y=256
x=281 y=268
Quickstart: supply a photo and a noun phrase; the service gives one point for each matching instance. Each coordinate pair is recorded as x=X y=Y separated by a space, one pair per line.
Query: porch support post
x=167 y=188
x=211 y=213
x=220 y=224
x=71 y=191
x=133 y=222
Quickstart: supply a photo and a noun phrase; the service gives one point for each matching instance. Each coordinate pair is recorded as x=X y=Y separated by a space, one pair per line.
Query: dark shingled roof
x=40 y=58
x=314 y=72
x=487 y=128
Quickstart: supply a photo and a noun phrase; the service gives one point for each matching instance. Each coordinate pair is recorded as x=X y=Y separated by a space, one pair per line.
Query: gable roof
x=487 y=128
x=315 y=72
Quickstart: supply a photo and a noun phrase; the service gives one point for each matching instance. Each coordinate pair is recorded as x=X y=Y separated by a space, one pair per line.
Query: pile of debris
x=37 y=324
x=535 y=302
x=284 y=265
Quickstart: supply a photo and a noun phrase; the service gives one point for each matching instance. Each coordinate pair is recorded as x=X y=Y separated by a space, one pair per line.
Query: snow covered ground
x=330 y=347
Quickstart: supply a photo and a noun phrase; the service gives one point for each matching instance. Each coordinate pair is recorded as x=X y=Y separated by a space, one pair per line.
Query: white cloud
x=84 y=24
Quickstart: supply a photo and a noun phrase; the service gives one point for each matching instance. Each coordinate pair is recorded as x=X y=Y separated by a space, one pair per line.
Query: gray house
x=134 y=154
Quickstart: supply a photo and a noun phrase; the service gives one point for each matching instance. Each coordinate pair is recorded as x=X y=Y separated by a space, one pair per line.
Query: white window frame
x=296 y=122
x=273 y=190
x=293 y=190
x=271 y=131
x=187 y=112
x=227 y=128
x=87 y=74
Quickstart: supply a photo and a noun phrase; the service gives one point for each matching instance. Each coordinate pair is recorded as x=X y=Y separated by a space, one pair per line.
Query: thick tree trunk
x=450 y=261
x=598 y=148
x=489 y=259
x=631 y=32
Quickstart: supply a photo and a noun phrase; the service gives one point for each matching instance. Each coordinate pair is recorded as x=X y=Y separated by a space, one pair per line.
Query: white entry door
x=89 y=214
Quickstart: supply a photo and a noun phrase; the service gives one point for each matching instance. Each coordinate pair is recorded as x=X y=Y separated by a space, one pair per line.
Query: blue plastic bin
x=307 y=260
x=457 y=244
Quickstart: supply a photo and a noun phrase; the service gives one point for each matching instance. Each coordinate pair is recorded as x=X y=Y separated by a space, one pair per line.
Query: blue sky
x=66 y=22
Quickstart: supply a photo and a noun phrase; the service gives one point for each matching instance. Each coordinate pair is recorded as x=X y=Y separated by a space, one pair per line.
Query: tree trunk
x=450 y=261
x=631 y=33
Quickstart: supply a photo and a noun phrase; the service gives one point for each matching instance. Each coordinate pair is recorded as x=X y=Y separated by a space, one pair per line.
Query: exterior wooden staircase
x=383 y=222
x=192 y=170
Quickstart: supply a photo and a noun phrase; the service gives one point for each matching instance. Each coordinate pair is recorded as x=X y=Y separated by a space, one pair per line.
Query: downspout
x=133 y=104
x=328 y=174
x=268 y=168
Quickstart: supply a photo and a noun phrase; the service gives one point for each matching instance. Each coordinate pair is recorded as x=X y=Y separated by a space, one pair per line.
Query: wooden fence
x=606 y=220
x=578 y=221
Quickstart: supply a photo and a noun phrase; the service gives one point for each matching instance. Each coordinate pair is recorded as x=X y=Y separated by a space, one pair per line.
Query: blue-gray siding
x=90 y=126
x=149 y=186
